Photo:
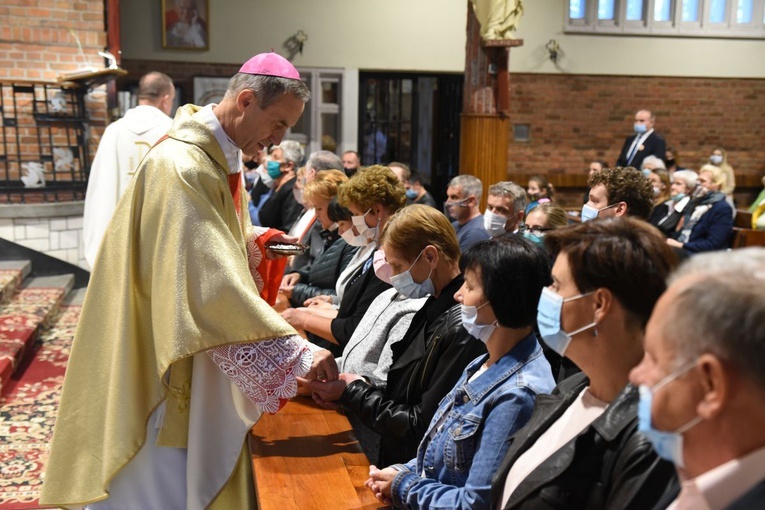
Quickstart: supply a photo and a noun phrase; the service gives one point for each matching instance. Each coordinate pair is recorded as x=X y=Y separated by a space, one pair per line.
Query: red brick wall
x=37 y=44
x=36 y=41
x=575 y=119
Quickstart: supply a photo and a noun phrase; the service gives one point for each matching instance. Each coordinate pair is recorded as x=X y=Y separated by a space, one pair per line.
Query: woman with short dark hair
x=581 y=448
x=467 y=437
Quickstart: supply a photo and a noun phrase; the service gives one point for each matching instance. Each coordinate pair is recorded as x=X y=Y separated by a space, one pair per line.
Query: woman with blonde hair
x=319 y=279
x=540 y=220
x=707 y=222
x=422 y=255
x=719 y=158
x=372 y=195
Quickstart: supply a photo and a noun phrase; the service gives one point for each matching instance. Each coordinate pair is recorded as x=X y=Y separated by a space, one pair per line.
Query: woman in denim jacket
x=468 y=436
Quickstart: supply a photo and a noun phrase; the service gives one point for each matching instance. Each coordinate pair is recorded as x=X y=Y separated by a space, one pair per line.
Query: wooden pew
x=743 y=219
x=305 y=457
x=743 y=237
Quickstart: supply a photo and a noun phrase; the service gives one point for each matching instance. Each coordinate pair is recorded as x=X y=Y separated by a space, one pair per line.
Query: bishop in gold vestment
x=176 y=354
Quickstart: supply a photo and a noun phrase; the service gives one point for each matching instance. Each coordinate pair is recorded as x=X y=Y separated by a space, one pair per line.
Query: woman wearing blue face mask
x=372 y=195
x=581 y=448
x=466 y=439
x=542 y=219
x=421 y=248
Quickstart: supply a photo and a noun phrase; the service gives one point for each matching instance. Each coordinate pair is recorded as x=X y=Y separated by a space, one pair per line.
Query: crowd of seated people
x=475 y=374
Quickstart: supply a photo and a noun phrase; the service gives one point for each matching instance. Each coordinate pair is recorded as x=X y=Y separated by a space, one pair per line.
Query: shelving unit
x=44 y=126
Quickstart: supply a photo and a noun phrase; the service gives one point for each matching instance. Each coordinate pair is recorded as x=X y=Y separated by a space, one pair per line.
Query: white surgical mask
x=494 y=223
x=480 y=331
x=405 y=284
x=716 y=159
x=365 y=234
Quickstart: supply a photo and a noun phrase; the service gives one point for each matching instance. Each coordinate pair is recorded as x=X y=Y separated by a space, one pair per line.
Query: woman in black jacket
x=422 y=251
x=319 y=277
x=372 y=195
x=581 y=448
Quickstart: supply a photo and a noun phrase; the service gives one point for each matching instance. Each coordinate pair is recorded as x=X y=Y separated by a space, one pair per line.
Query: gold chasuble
x=171 y=280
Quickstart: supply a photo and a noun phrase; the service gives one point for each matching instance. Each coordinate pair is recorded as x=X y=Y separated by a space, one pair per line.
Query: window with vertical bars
x=708 y=18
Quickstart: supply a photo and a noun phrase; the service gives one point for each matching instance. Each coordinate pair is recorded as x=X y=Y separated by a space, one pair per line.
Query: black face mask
x=670 y=162
x=251 y=164
x=350 y=171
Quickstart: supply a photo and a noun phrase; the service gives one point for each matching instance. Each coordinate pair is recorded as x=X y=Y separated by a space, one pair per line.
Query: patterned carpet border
x=28 y=413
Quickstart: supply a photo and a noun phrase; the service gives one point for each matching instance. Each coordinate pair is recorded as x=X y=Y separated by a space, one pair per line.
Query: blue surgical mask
x=411 y=194
x=405 y=285
x=716 y=159
x=678 y=197
x=668 y=445
x=640 y=128
x=590 y=213
x=480 y=331
x=274 y=169
x=646 y=172
x=536 y=240
x=548 y=320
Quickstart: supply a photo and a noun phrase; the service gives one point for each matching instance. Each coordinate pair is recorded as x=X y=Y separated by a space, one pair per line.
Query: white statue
x=35 y=177
x=498 y=18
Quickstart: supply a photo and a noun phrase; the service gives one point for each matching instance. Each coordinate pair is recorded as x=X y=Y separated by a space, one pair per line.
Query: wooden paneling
x=483 y=149
x=307 y=458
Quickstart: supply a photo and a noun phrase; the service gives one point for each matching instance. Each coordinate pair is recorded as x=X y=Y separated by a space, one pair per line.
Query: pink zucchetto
x=270 y=64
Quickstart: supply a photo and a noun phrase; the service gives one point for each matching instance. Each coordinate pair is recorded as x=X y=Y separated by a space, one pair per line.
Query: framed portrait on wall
x=185 y=24
x=209 y=90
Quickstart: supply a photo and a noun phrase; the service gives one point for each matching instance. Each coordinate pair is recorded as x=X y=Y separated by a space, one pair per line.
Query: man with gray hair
x=702 y=380
x=177 y=352
x=462 y=198
x=322 y=160
x=505 y=208
x=282 y=209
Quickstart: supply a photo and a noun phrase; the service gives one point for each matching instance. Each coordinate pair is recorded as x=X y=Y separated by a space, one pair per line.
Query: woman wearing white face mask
x=581 y=448
x=372 y=195
x=719 y=158
x=467 y=437
x=707 y=221
x=422 y=252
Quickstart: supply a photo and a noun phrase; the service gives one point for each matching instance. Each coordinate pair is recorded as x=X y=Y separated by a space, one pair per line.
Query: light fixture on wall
x=554 y=50
x=295 y=44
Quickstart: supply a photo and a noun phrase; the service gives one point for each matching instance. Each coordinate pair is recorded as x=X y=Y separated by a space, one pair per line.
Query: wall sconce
x=553 y=48
x=295 y=44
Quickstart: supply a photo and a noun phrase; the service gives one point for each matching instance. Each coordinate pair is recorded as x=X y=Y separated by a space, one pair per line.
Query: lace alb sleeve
x=266 y=371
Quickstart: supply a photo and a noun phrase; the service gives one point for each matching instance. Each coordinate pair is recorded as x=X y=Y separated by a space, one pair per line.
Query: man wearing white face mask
x=702 y=380
x=645 y=142
x=616 y=192
x=505 y=208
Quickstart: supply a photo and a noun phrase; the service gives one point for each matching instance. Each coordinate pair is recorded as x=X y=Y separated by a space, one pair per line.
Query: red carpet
x=27 y=414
